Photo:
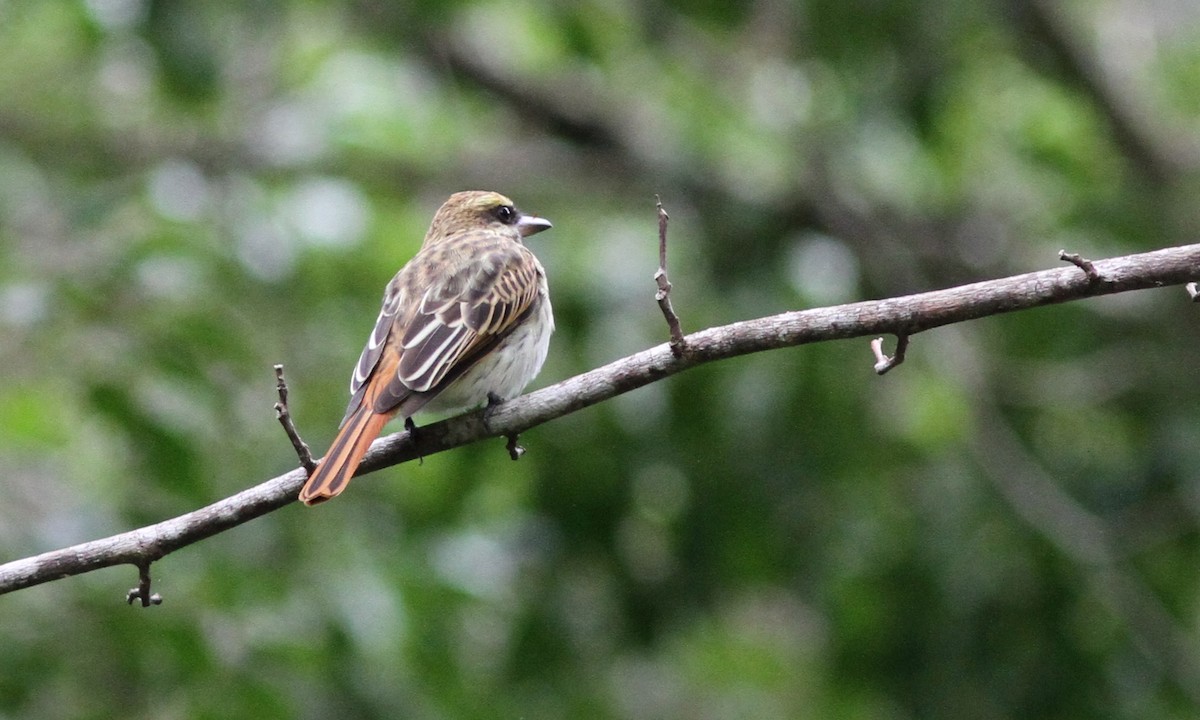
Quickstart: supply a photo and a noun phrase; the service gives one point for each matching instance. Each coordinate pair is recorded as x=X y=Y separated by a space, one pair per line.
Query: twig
x=1082 y=263
x=663 y=296
x=142 y=591
x=915 y=313
x=284 y=415
x=883 y=363
x=1193 y=291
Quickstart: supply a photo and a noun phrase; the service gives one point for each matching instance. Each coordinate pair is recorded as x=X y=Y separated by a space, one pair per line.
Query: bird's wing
x=394 y=299
x=458 y=319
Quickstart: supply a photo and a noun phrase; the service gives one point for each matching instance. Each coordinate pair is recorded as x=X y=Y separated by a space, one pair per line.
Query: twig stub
x=663 y=295
x=1193 y=291
x=142 y=591
x=883 y=363
x=1082 y=263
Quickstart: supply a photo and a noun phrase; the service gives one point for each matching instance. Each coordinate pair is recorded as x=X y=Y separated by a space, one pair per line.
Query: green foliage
x=1002 y=527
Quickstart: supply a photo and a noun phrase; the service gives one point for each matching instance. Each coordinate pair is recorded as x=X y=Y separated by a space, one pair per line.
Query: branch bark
x=902 y=316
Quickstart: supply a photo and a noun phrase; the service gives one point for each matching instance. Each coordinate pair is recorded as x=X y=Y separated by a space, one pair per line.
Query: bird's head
x=479 y=210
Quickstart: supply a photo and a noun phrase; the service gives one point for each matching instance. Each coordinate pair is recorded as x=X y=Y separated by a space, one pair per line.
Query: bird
x=467 y=321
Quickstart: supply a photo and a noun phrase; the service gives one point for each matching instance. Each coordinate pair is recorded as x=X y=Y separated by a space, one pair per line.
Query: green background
x=1003 y=527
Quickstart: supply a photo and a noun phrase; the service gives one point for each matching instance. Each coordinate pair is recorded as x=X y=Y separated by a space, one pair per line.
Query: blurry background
x=1004 y=527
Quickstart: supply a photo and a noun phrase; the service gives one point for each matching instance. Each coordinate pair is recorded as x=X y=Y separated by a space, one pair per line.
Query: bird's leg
x=493 y=401
x=411 y=428
x=515 y=451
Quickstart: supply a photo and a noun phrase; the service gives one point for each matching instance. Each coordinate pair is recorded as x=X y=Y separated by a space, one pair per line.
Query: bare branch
x=663 y=296
x=1085 y=538
x=915 y=313
x=1163 y=153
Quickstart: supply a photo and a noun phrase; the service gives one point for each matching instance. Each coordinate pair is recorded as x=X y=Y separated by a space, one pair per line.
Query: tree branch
x=1084 y=537
x=1162 y=154
x=899 y=316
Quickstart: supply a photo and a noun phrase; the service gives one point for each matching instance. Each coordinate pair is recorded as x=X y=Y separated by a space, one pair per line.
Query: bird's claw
x=515 y=451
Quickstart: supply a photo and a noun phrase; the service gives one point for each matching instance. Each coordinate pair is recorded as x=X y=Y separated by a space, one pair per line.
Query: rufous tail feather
x=333 y=473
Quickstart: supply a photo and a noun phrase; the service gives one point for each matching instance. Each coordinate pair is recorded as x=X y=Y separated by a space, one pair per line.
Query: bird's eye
x=506 y=214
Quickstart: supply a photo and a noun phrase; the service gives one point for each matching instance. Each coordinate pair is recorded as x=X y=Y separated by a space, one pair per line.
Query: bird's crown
x=479 y=209
x=465 y=211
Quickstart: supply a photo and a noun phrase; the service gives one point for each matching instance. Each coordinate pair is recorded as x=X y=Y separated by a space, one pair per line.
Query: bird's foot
x=494 y=401
x=413 y=435
x=515 y=451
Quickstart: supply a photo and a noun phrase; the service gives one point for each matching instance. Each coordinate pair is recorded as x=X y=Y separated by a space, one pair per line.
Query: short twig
x=142 y=591
x=285 y=418
x=1193 y=291
x=663 y=296
x=883 y=363
x=1082 y=263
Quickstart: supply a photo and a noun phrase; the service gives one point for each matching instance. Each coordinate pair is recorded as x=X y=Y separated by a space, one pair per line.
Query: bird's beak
x=531 y=224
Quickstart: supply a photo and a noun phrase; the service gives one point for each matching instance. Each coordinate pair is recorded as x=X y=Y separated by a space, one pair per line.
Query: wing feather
x=368 y=361
x=461 y=318
x=441 y=341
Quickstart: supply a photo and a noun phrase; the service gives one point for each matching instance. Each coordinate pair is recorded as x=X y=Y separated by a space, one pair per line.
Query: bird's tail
x=334 y=471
